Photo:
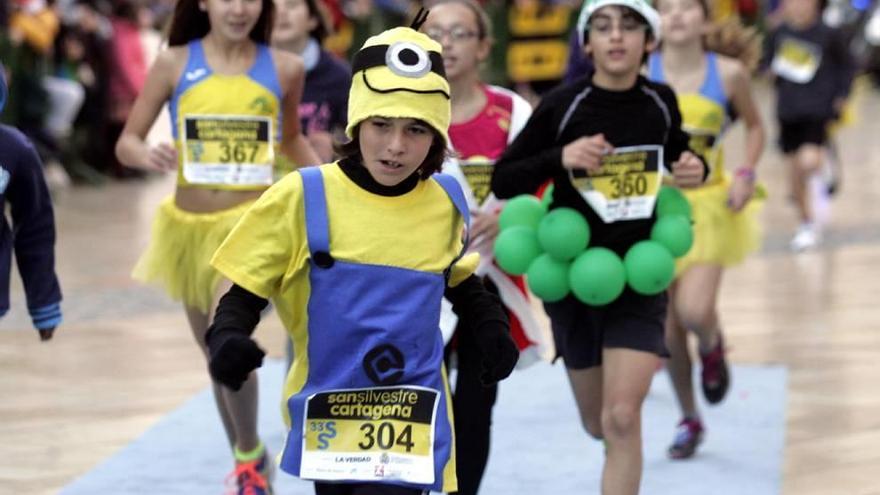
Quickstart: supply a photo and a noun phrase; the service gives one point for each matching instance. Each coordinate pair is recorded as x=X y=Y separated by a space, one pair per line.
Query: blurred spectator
x=300 y=27
x=33 y=26
x=126 y=78
x=79 y=58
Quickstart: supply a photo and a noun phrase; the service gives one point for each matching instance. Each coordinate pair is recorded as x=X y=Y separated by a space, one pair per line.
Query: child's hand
x=162 y=158
x=233 y=357
x=586 y=152
x=497 y=350
x=484 y=228
x=741 y=190
x=687 y=171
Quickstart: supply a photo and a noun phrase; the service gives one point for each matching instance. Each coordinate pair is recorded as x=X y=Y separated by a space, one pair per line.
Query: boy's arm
x=233 y=354
x=531 y=159
x=481 y=312
x=845 y=71
x=34 y=241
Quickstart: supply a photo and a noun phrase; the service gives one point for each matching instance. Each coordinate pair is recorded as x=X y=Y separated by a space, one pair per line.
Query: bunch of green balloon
x=650 y=264
x=551 y=250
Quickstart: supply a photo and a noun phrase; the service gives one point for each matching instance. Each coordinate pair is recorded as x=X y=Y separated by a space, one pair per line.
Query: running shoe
x=254 y=477
x=688 y=435
x=806 y=237
x=715 y=375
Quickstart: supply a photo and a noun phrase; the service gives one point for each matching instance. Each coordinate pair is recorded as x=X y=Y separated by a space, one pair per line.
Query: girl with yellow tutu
x=233 y=104
x=697 y=60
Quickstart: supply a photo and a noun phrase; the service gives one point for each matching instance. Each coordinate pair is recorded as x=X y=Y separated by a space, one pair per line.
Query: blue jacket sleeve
x=34 y=239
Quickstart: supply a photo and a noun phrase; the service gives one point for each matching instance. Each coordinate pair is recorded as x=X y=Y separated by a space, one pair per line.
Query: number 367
x=238 y=153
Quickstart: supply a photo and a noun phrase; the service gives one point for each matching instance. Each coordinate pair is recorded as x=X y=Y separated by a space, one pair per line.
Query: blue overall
x=370 y=328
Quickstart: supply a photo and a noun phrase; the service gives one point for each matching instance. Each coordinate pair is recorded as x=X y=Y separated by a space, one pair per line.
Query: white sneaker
x=55 y=175
x=806 y=237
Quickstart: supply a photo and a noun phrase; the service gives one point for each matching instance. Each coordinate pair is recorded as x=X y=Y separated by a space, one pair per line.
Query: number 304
x=385 y=436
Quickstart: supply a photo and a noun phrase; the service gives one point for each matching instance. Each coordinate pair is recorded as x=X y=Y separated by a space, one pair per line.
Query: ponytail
x=732 y=39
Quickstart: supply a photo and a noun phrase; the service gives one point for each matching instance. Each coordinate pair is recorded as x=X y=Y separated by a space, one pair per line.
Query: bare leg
x=679 y=363
x=803 y=164
x=627 y=376
x=238 y=409
x=695 y=303
x=586 y=385
x=198 y=322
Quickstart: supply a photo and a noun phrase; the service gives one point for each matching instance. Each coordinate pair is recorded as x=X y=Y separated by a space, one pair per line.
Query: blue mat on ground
x=538 y=445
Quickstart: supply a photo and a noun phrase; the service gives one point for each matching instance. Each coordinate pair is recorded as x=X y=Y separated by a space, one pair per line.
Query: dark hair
x=626 y=11
x=319 y=12
x=484 y=23
x=433 y=163
x=126 y=9
x=189 y=22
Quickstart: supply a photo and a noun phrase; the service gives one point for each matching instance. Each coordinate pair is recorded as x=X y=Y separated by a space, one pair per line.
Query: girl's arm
x=740 y=91
x=293 y=143
x=132 y=149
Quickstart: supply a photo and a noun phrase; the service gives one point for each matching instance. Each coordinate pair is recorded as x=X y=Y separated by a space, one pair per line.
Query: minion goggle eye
x=403 y=58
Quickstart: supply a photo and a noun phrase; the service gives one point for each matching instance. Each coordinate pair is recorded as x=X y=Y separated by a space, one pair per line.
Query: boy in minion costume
x=357 y=255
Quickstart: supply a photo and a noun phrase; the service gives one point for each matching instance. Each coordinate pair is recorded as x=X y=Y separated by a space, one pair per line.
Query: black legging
x=472 y=410
x=363 y=489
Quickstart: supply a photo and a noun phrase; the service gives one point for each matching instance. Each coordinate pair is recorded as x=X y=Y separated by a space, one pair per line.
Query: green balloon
x=524 y=209
x=563 y=233
x=516 y=248
x=597 y=276
x=673 y=232
x=547 y=198
x=649 y=267
x=548 y=278
x=670 y=201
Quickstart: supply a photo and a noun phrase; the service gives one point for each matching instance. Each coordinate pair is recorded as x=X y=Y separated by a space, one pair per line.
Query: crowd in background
x=76 y=66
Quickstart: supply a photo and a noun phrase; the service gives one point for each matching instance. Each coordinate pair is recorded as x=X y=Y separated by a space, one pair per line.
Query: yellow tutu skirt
x=180 y=250
x=721 y=236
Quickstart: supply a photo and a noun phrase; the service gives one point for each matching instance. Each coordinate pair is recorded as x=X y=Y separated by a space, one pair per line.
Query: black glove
x=497 y=349
x=232 y=356
x=46 y=333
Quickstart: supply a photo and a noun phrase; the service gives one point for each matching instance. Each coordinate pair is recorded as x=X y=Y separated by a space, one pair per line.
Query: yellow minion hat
x=399 y=74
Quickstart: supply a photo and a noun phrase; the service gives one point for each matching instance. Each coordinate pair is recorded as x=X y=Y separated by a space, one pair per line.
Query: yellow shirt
x=226 y=127
x=267 y=252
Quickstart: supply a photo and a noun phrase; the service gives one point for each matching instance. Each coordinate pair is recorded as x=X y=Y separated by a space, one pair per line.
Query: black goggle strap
x=374 y=56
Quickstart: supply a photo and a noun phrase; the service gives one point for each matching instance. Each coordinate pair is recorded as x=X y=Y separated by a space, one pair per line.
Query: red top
x=485 y=135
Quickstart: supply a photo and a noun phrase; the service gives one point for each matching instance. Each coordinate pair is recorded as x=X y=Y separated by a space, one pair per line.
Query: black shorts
x=632 y=321
x=792 y=135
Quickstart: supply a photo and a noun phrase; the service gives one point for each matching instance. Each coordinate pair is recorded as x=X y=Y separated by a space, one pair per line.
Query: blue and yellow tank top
x=226 y=127
x=704 y=114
